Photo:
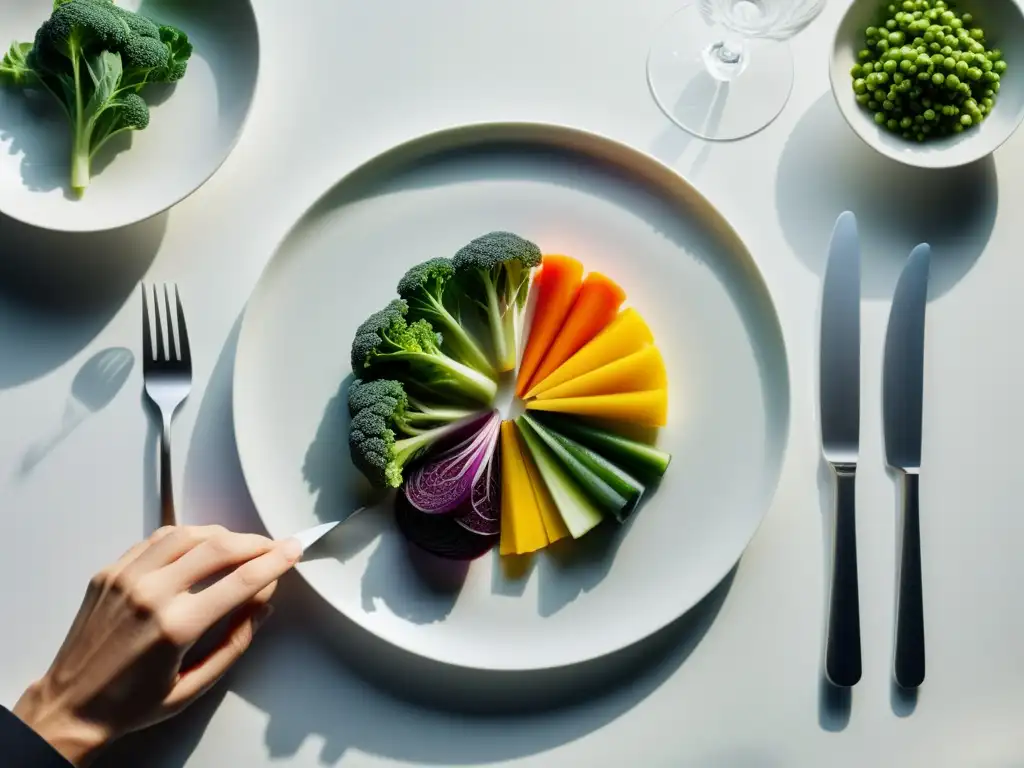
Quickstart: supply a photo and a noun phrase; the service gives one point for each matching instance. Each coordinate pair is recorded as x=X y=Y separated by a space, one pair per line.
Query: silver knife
x=840 y=440
x=902 y=397
x=311 y=536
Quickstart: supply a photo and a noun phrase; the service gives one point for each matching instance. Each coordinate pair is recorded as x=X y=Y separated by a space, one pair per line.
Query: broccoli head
x=380 y=418
x=388 y=398
x=423 y=287
x=94 y=57
x=495 y=270
x=387 y=346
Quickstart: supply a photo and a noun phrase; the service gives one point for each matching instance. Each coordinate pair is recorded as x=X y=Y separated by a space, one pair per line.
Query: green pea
x=947 y=16
x=995 y=87
x=929 y=36
x=891 y=23
x=962 y=69
x=935 y=47
x=871 y=31
x=897 y=38
x=909 y=5
x=938 y=78
x=967 y=18
x=1000 y=66
x=891 y=66
x=926 y=103
x=949 y=63
x=906 y=65
x=956 y=24
x=976 y=34
x=892 y=124
x=995 y=54
x=958 y=128
x=864 y=54
x=882 y=45
x=929 y=114
x=880 y=118
x=991 y=77
x=974 y=73
x=860 y=85
x=966 y=120
x=873 y=105
x=952 y=82
x=906 y=122
x=881 y=78
x=946 y=51
x=964 y=88
x=976 y=48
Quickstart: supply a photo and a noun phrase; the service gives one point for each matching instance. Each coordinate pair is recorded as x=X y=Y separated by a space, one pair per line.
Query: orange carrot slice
x=558 y=284
x=596 y=306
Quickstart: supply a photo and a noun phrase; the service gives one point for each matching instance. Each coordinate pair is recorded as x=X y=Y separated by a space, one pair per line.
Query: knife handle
x=908 y=658
x=842 y=647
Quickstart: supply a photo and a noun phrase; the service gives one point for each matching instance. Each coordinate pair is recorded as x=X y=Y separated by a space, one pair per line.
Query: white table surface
x=344 y=80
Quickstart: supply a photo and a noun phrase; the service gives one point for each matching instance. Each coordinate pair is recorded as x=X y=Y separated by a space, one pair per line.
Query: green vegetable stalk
x=94 y=58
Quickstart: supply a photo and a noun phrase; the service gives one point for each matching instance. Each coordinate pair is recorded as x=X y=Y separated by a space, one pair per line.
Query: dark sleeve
x=21 y=747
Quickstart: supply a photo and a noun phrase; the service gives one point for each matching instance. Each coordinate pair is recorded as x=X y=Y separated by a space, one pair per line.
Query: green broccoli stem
x=461 y=343
x=81 y=154
x=504 y=351
x=456 y=379
x=409 y=448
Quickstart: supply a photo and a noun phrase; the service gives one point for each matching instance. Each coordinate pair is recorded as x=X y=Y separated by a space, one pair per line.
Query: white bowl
x=1003 y=23
x=195 y=124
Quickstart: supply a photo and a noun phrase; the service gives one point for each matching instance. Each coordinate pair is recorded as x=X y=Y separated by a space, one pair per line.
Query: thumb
x=199 y=679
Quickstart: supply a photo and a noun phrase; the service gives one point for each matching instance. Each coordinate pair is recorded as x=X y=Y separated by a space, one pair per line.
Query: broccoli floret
x=387 y=346
x=495 y=271
x=423 y=288
x=94 y=57
x=388 y=398
x=377 y=449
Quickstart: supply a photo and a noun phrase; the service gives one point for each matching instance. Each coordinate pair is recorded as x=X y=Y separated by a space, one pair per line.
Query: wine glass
x=721 y=69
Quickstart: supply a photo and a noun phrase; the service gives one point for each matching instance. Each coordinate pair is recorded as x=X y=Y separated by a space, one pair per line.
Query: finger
x=137 y=549
x=181 y=539
x=242 y=584
x=211 y=557
x=197 y=680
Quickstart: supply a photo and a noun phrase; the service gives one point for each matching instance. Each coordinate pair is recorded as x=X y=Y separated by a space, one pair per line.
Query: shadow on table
x=706 y=97
x=826 y=169
x=59 y=290
x=315 y=674
x=94 y=387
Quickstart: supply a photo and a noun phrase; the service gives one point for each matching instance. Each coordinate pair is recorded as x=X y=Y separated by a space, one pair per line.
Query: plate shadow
x=59 y=290
x=826 y=169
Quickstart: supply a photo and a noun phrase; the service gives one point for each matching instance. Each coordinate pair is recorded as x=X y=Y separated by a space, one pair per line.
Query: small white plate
x=194 y=125
x=620 y=212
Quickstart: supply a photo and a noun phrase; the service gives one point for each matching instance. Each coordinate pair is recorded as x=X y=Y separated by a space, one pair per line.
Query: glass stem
x=726 y=59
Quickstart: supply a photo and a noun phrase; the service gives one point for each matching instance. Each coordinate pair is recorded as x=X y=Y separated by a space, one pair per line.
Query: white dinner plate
x=194 y=124
x=620 y=212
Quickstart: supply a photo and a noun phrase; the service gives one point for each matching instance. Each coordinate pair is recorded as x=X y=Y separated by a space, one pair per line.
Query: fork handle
x=842 y=648
x=166 y=485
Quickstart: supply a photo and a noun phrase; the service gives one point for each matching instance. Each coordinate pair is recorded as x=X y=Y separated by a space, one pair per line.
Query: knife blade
x=902 y=406
x=839 y=394
x=311 y=536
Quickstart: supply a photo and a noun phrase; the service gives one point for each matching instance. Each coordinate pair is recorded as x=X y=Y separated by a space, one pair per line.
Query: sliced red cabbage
x=440 y=535
x=482 y=515
x=443 y=484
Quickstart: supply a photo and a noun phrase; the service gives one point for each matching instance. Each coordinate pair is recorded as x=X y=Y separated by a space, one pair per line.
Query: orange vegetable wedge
x=639 y=372
x=554 y=526
x=522 y=529
x=557 y=285
x=595 y=307
x=627 y=333
x=649 y=409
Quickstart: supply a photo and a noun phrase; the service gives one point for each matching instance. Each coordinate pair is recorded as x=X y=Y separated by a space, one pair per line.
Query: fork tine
x=147 y=330
x=172 y=350
x=186 y=351
x=161 y=346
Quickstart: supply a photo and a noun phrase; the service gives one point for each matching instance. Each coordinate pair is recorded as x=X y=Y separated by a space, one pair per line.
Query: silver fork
x=167 y=374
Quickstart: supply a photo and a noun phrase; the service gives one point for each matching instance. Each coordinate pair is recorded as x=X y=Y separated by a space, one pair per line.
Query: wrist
x=77 y=740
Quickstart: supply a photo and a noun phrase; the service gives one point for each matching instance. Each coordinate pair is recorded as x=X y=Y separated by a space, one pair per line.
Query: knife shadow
x=834 y=703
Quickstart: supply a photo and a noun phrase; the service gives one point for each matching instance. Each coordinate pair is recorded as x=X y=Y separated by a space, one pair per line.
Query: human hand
x=120 y=668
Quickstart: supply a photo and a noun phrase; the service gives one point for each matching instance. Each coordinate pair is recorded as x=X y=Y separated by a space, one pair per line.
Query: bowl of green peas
x=931 y=83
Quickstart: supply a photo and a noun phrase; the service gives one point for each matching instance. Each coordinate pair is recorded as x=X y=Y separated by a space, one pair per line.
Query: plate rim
x=476 y=134
x=229 y=151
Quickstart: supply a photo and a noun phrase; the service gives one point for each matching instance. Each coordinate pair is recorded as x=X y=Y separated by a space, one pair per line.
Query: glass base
x=699 y=83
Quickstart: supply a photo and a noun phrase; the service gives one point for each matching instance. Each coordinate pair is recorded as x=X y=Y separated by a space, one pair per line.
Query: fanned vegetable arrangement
x=427 y=368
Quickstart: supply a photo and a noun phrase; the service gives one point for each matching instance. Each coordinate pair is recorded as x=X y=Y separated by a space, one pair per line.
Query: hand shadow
x=94 y=387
